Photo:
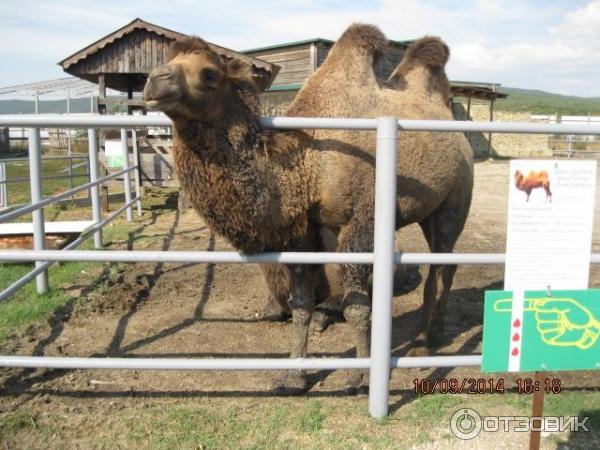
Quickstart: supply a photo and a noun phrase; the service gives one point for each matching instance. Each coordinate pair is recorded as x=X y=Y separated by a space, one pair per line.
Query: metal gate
x=383 y=258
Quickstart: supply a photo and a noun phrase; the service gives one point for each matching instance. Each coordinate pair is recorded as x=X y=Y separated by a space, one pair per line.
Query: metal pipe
x=383 y=265
x=72 y=362
x=262 y=258
x=187 y=256
x=47 y=201
x=3 y=185
x=185 y=364
x=102 y=121
x=435 y=361
x=98 y=226
x=94 y=190
x=126 y=177
x=136 y=173
x=47 y=177
x=35 y=174
x=10 y=290
x=45 y=158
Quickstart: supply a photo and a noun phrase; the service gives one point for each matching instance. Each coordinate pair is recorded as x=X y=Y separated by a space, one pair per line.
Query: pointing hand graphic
x=562 y=322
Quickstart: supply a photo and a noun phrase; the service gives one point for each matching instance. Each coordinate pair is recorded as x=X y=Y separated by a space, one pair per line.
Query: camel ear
x=240 y=71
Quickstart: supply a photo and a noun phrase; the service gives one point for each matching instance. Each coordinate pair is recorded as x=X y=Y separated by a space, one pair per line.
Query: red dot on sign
x=517 y=323
x=516 y=337
x=515 y=351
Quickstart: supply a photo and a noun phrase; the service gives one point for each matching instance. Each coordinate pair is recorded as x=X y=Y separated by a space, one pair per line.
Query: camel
x=274 y=190
x=533 y=180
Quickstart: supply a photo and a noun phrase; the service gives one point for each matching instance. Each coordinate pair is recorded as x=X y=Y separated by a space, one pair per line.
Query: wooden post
x=537 y=410
x=313 y=57
x=101 y=94
x=490 y=134
x=129 y=97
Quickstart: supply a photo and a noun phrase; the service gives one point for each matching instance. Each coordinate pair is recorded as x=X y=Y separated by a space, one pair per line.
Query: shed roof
x=311 y=41
x=139 y=24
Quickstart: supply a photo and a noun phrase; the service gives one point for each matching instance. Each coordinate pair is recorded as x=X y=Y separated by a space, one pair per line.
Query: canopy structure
x=123 y=59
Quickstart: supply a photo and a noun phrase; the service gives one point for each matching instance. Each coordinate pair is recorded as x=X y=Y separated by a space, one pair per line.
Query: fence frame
x=383 y=258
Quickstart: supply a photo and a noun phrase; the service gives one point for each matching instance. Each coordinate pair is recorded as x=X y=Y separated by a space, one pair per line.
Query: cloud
x=565 y=56
x=533 y=43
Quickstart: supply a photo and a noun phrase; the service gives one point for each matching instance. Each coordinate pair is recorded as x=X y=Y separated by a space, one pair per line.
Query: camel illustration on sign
x=532 y=181
x=562 y=322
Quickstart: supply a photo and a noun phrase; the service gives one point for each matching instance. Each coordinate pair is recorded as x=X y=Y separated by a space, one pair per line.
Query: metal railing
x=69 y=175
x=383 y=258
x=38 y=203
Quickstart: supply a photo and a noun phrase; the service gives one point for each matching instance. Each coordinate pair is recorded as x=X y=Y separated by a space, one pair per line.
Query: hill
x=78 y=105
x=541 y=102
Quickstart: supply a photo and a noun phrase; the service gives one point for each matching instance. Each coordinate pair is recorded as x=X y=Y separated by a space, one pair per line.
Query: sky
x=534 y=44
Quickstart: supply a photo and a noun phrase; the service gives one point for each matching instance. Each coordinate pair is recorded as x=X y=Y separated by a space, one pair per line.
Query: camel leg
x=357 y=236
x=301 y=302
x=441 y=229
x=278 y=285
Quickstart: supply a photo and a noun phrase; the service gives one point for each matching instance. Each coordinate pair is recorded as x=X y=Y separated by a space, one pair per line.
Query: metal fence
x=69 y=174
x=383 y=258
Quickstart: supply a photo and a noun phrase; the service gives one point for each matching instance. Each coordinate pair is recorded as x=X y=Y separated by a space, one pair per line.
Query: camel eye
x=210 y=77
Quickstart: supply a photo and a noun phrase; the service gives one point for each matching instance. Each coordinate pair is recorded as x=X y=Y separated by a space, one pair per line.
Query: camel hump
x=430 y=51
x=367 y=37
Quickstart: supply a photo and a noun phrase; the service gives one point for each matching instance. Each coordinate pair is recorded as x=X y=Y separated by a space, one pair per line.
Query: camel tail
x=367 y=37
x=429 y=51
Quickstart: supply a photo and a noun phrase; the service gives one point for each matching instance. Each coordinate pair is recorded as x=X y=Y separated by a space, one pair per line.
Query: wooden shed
x=123 y=59
x=297 y=60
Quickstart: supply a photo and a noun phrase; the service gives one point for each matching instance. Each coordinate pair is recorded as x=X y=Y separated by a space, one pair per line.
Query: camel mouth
x=162 y=103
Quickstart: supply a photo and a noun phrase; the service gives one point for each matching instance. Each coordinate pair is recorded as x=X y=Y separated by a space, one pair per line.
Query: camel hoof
x=322 y=318
x=291 y=383
x=357 y=384
x=273 y=314
x=320 y=321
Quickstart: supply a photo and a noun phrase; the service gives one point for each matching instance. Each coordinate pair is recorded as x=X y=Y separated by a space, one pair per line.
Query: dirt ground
x=203 y=311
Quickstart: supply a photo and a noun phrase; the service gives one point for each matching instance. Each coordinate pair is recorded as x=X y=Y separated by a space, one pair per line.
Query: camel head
x=195 y=82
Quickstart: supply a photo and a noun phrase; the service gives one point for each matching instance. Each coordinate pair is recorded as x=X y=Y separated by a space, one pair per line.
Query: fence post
x=136 y=172
x=35 y=179
x=95 y=190
x=126 y=175
x=383 y=267
x=3 y=185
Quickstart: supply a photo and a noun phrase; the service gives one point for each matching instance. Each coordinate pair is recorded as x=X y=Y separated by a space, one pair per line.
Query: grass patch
x=19 y=192
x=433 y=408
x=13 y=422
x=311 y=418
x=27 y=307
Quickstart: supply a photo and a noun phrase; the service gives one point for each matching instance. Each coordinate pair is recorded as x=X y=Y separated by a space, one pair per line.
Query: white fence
x=383 y=258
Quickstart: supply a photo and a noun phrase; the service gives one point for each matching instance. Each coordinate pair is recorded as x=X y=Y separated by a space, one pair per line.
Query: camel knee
x=301 y=308
x=357 y=308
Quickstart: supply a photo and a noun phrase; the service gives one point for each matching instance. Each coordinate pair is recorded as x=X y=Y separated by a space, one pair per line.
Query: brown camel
x=275 y=190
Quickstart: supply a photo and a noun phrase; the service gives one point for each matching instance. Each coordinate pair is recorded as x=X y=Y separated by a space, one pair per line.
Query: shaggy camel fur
x=275 y=190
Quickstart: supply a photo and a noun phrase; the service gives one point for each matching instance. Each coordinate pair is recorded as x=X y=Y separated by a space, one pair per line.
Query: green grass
x=26 y=306
x=540 y=102
x=20 y=193
x=15 y=421
x=311 y=418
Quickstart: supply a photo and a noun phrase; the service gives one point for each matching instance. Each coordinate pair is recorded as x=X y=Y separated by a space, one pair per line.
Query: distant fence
x=69 y=175
x=383 y=258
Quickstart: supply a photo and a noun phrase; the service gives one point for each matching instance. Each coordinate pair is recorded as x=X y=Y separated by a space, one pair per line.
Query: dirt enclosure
x=204 y=311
